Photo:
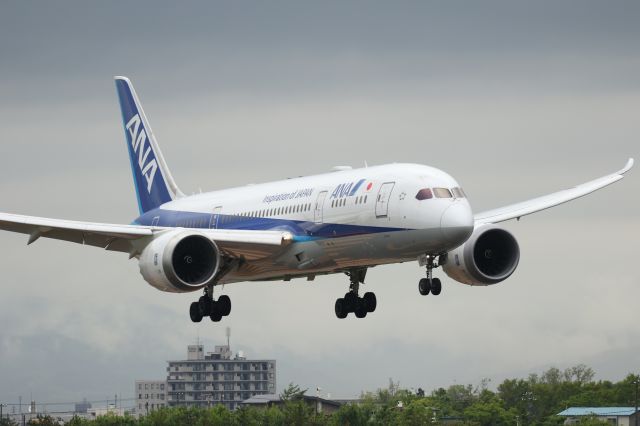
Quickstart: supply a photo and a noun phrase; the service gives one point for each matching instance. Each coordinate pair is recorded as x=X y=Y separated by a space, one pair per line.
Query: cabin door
x=317 y=211
x=215 y=218
x=382 y=201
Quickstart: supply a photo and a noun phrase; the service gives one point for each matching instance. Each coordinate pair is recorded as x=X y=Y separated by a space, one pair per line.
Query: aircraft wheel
x=361 y=308
x=424 y=287
x=205 y=304
x=370 y=301
x=351 y=300
x=224 y=303
x=436 y=286
x=341 y=308
x=216 y=313
x=194 y=312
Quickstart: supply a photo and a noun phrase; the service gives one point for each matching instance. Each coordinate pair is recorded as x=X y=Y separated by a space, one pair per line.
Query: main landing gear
x=351 y=302
x=206 y=306
x=430 y=284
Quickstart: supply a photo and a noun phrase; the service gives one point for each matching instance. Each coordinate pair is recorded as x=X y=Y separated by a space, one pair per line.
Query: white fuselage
x=340 y=220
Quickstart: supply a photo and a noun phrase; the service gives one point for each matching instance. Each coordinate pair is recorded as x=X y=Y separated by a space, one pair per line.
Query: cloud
x=513 y=104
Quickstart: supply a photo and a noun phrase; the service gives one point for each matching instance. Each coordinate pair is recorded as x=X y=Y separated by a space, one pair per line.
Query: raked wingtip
x=627 y=166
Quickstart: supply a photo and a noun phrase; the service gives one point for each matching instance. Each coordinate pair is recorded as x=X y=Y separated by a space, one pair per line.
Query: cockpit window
x=424 y=194
x=458 y=192
x=442 y=193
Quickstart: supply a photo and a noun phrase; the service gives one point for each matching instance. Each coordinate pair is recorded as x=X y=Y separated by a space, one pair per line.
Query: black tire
x=436 y=286
x=370 y=301
x=351 y=300
x=361 y=308
x=205 y=304
x=341 y=308
x=194 y=312
x=224 y=303
x=216 y=312
x=424 y=287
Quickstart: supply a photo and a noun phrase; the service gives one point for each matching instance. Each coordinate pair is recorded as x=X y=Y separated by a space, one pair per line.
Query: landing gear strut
x=206 y=306
x=430 y=284
x=351 y=302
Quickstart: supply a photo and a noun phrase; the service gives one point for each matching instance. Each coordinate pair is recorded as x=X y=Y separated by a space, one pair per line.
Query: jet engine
x=179 y=261
x=489 y=256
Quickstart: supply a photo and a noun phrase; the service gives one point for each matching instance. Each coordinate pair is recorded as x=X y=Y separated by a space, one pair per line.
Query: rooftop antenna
x=228 y=333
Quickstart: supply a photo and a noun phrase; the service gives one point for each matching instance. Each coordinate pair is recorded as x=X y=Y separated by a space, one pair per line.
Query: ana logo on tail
x=139 y=143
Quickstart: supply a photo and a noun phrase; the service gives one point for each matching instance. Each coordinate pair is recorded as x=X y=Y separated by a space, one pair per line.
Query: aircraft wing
x=524 y=208
x=238 y=243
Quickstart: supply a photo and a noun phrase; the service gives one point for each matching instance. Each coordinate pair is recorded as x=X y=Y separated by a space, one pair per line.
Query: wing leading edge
x=121 y=237
x=534 y=205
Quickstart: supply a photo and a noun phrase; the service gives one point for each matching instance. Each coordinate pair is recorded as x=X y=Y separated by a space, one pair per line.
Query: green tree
x=114 y=420
x=297 y=413
x=219 y=415
x=248 y=416
x=490 y=411
x=272 y=416
x=292 y=392
x=78 y=421
x=416 y=413
x=351 y=415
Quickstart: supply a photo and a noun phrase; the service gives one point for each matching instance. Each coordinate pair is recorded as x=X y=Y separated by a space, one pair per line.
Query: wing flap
x=534 y=205
x=250 y=245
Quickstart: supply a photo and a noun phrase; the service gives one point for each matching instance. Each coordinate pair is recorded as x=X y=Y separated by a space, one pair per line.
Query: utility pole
x=1 y=405
x=637 y=381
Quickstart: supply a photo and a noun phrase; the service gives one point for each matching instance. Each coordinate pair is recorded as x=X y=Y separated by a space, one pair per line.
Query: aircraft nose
x=456 y=222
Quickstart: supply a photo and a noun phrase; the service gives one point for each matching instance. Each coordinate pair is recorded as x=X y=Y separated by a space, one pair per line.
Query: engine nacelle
x=179 y=261
x=489 y=256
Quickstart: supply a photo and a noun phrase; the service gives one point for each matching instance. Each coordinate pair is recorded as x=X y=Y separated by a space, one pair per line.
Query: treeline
x=532 y=401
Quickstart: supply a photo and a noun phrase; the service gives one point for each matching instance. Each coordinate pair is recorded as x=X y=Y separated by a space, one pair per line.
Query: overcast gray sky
x=514 y=99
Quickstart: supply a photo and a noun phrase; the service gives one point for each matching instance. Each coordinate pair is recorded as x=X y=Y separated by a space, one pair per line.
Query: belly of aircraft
x=330 y=255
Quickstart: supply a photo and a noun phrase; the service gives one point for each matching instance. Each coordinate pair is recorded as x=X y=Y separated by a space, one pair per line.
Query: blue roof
x=598 y=411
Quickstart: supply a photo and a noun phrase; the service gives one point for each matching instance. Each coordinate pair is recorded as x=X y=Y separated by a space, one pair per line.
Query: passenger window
x=424 y=194
x=442 y=193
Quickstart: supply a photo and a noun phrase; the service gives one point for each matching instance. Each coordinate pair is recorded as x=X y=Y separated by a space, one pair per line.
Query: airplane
x=345 y=221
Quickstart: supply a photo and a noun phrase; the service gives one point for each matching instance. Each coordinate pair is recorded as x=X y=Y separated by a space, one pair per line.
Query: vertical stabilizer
x=151 y=176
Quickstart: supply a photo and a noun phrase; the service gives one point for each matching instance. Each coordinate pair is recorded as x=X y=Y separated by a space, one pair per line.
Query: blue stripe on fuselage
x=302 y=230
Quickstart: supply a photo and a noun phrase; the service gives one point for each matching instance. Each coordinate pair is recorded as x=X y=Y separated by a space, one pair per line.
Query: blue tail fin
x=151 y=176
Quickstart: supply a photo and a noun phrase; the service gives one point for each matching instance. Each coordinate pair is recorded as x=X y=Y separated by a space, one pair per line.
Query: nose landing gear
x=429 y=284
